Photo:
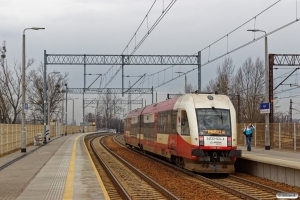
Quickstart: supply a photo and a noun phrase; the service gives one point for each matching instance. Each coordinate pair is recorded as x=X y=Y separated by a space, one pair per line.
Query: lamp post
x=23 y=137
x=73 y=116
x=267 y=120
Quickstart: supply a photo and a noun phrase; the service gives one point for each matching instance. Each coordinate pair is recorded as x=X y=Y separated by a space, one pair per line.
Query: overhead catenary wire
x=145 y=36
x=240 y=47
x=126 y=47
x=224 y=36
x=165 y=11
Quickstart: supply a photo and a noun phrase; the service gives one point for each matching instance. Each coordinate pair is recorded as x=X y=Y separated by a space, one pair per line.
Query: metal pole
x=96 y=117
x=291 y=111
x=185 y=91
x=279 y=137
x=122 y=75
x=152 y=94
x=48 y=104
x=267 y=118
x=83 y=118
x=62 y=116
x=84 y=73
x=45 y=96
x=73 y=119
x=66 y=108
x=119 y=131
x=23 y=141
x=199 y=71
x=156 y=96
x=295 y=139
x=239 y=109
x=106 y=122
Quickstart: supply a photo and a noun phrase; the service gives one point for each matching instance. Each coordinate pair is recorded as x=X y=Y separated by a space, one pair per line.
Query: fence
x=283 y=136
x=10 y=134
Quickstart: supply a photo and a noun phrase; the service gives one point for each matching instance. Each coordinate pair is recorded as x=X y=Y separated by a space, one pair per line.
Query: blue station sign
x=264 y=108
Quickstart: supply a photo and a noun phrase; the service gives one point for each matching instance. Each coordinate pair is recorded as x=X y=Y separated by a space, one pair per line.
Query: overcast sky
x=105 y=27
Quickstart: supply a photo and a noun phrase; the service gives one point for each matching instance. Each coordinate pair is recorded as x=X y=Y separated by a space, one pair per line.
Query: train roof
x=170 y=104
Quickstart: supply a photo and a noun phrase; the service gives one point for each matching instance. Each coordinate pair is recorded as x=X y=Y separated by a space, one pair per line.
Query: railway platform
x=275 y=165
x=61 y=169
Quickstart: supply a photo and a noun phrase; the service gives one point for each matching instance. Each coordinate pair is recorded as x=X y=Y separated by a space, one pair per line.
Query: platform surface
x=288 y=159
x=61 y=169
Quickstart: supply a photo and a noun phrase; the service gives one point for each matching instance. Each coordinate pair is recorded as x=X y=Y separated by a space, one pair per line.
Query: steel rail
x=258 y=185
x=113 y=179
x=154 y=184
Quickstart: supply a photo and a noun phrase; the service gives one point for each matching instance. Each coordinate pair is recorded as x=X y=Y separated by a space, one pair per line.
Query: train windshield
x=213 y=121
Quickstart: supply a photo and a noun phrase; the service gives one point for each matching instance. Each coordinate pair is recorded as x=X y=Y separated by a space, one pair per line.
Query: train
x=196 y=131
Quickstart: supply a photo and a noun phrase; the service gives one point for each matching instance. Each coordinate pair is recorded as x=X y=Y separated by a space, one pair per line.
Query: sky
x=106 y=27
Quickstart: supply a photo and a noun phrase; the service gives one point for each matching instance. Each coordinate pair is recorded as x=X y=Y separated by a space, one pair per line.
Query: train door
x=155 y=127
x=185 y=129
x=139 y=131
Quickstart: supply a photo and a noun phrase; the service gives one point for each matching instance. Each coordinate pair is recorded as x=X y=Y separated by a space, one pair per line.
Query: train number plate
x=215 y=141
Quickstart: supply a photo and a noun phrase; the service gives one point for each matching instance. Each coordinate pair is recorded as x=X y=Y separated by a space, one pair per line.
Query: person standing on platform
x=248 y=130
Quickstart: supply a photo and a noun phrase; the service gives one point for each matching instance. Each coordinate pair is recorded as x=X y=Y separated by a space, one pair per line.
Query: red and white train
x=196 y=131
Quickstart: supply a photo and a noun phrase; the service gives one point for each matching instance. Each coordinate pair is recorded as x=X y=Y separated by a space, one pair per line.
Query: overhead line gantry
x=91 y=59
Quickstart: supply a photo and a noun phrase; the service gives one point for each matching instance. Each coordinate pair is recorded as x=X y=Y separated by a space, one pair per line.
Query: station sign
x=264 y=108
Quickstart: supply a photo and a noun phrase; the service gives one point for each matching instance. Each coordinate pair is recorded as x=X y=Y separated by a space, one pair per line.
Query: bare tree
x=249 y=84
x=10 y=89
x=190 y=88
x=109 y=109
x=55 y=90
x=223 y=80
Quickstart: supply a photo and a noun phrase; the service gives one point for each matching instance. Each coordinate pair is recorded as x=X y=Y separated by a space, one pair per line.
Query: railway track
x=129 y=182
x=239 y=187
x=109 y=185
x=256 y=190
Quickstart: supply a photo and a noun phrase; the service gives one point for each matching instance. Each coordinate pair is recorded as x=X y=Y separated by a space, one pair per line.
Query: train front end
x=213 y=133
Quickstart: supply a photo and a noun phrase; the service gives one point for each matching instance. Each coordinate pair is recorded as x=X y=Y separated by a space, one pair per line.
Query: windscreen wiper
x=221 y=117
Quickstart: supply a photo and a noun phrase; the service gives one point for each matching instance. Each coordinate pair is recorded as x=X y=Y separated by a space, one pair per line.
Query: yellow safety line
x=68 y=191
x=96 y=172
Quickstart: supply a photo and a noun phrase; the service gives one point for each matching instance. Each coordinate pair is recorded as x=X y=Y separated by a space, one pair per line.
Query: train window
x=167 y=122
x=212 y=121
x=135 y=120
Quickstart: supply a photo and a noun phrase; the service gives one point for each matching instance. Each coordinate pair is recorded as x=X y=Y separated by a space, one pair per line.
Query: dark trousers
x=248 y=140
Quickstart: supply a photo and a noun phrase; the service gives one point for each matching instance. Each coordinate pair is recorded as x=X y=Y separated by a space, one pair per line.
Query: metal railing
x=283 y=136
x=10 y=135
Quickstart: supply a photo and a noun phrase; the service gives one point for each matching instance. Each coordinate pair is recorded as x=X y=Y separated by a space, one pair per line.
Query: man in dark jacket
x=248 y=133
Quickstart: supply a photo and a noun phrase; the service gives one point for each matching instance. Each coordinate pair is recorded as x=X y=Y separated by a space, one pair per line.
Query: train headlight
x=201 y=141
x=229 y=141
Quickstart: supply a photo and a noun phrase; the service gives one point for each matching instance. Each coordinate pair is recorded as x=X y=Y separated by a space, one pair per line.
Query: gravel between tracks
x=176 y=182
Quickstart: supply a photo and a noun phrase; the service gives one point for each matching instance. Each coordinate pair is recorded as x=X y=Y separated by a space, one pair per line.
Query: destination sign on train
x=215 y=131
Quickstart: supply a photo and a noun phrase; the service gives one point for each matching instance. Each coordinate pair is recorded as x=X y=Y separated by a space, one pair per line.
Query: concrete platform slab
x=48 y=172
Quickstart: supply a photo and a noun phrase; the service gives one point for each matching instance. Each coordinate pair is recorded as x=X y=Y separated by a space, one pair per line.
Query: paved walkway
x=17 y=176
